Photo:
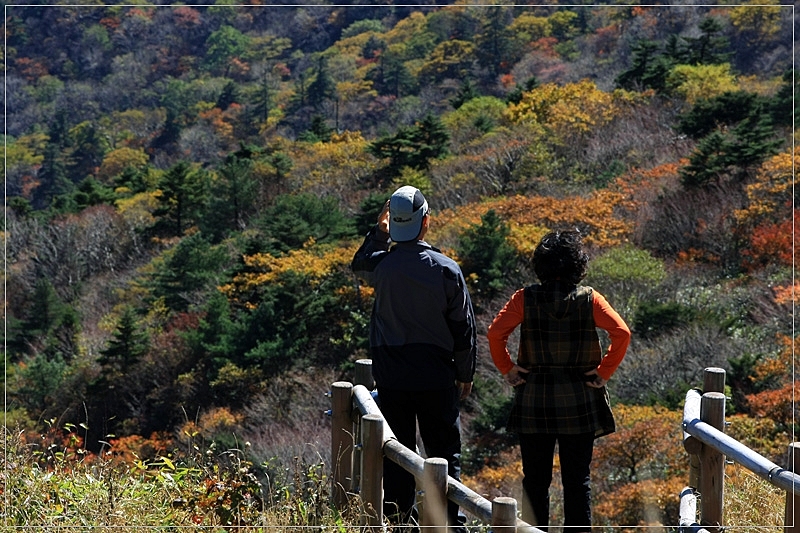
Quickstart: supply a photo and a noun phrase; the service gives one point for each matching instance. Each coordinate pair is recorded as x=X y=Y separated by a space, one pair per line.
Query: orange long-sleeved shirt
x=605 y=317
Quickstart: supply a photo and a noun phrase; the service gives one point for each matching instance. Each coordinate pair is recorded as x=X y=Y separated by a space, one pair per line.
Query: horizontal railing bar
x=738 y=452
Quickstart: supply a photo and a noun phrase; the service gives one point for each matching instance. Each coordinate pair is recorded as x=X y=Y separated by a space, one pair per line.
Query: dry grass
x=56 y=489
x=751 y=503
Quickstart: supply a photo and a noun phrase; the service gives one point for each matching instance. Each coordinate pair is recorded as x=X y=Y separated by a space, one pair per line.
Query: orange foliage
x=778 y=404
x=129 y=449
x=62 y=443
x=645 y=446
x=647 y=503
x=771 y=244
x=221 y=121
x=507 y=80
x=695 y=255
x=546 y=45
x=502 y=480
x=110 y=23
x=30 y=69
x=641 y=186
x=606 y=39
x=786 y=294
x=186 y=16
x=778 y=370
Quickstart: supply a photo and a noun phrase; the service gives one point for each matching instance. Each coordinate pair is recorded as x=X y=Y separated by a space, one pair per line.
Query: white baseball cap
x=407 y=208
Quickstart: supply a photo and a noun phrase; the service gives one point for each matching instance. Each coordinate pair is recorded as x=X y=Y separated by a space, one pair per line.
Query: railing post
x=372 y=468
x=364 y=373
x=712 y=464
x=434 y=486
x=792 y=500
x=341 y=442
x=504 y=515
x=714 y=380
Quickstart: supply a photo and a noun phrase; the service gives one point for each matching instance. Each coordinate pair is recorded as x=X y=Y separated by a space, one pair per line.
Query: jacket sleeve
x=506 y=321
x=605 y=317
x=462 y=325
x=375 y=246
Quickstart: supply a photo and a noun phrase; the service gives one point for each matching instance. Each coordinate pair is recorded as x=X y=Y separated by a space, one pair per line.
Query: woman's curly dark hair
x=560 y=255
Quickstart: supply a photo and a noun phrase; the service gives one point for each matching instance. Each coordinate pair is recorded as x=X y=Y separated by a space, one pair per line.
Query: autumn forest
x=185 y=187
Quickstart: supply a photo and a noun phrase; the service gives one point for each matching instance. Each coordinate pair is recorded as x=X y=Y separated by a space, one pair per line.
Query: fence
x=708 y=446
x=358 y=466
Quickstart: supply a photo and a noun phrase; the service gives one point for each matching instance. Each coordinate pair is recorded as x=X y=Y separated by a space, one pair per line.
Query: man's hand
x=513 y=376
x=597 y=382
x=463 y=389
x=383 y=218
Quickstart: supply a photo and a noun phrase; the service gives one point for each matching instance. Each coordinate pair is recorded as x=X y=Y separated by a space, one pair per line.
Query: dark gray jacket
x=422 y=330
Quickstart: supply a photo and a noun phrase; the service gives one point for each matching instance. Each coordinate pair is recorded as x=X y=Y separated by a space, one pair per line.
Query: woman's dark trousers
x=575 y=454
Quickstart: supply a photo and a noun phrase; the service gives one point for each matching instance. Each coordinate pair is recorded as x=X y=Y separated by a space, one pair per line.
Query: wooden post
x=341 y=442
x=712 y=464
x=793 y=500
x=364 y=373
x=372 y=468
x=714 y=380
x=504 y=515
x=434 y=486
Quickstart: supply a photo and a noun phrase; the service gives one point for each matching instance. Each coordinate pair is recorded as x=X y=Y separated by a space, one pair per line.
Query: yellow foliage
x=314 y=262
x=27 y=150
x=331 y=167
x=771 y=191
x=571 y=109
x=694 y=82
x=138 y=209
x=353 y=45
x=351 y=90
x=406 y=28
x=218 y=420
x=759 y=17
x=530 y=217
x=528 y=27
x=450 y=59
x=118 y=160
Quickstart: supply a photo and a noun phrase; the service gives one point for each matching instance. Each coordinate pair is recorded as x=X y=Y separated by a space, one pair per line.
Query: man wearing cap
x=422 y=343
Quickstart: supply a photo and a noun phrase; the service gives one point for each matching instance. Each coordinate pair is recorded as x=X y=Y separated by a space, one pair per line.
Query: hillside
x=186 y=186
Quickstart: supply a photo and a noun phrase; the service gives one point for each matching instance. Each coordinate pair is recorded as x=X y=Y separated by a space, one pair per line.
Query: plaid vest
x=558 y=344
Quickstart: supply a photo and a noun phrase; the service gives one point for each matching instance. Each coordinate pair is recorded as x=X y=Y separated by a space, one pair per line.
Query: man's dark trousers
x=437 y=414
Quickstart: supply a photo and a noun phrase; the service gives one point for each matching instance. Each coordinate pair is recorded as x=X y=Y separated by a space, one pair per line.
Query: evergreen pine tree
x=126 y=347
x=466 y=92
x=184 y=193
x=323 y=87
x=486 y=254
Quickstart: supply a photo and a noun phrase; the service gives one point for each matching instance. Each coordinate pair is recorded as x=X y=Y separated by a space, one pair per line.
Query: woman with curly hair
x=559 y=377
